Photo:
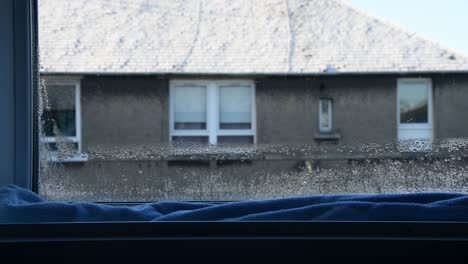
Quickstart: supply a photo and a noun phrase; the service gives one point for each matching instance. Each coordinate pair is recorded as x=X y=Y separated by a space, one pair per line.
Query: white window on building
x=61 y=119
x=325 y=115
x=415 y=120
x=214 y=112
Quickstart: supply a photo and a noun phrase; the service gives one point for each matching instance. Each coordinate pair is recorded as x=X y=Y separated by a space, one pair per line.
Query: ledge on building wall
x=332 y=136
x=80 y=157
x=215 y=157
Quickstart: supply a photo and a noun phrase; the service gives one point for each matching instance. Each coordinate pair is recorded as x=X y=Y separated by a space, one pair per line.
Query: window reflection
x=59 y=116
x=413 y=103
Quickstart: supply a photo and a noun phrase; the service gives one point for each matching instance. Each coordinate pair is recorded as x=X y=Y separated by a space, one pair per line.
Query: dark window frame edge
x=26 y=146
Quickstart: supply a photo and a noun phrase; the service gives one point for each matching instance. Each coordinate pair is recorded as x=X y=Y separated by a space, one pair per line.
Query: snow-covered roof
x=229 y=37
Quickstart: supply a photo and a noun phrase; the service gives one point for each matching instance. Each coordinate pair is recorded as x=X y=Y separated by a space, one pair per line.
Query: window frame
x=276 y=238
x=213 y=130
x=182 y=238
x=19 y=78
x=79 y=155
x=409 y=128
x=322 y=129
x=430 y=105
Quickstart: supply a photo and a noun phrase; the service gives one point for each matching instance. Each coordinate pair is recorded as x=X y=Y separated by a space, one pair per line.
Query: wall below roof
x=287 y=110
x=134 y=110
x=450 y=106
x=124 y=110
x=129 y=110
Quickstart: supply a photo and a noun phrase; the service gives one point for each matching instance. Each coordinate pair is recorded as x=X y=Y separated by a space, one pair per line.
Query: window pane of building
x=413 y=103
x=235 y=105
x=190 y=108
x=325 y=115
x=59 y=111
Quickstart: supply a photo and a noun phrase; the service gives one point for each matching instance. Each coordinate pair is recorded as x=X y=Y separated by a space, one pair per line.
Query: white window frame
x=330 y=115
x=426 y=128
x=79 y=157
x=213 y=129
x=428 y=82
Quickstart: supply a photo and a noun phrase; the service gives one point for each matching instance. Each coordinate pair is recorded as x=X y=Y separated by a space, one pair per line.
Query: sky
x=445 y=21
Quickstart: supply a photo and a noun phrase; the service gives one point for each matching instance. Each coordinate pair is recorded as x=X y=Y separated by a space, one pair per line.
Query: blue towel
x=18 y=205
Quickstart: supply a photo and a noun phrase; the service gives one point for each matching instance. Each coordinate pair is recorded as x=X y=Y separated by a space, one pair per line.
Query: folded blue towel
x=18 y=205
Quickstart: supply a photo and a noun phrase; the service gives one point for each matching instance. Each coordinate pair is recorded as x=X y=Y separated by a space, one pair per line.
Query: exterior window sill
x=215 y=156
x=332 y=136
x=79 y=157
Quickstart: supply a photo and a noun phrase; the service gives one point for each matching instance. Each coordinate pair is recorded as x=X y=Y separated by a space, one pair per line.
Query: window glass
x=224 y=109
x=190 y=108
x=235 y=107
x=325 y=115
x=59 y=113
x=415 y=130
x=413 y=103
x=149 y=100
x=60 y=120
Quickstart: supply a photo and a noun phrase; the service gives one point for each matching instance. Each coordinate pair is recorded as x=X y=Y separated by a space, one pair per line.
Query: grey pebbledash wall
x=124 y=110
x=450 y=106
x=134 y=109
x=287 y=109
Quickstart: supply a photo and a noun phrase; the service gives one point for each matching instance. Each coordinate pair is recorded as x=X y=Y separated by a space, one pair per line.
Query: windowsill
x=81 y=157
x=216 y=153
x=247 y=238
x=327 y=136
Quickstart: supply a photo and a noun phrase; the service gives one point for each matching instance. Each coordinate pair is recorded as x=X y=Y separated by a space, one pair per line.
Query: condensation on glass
x=149 y=100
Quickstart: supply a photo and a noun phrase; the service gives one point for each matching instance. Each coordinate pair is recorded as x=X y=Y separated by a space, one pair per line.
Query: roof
x=229 y=37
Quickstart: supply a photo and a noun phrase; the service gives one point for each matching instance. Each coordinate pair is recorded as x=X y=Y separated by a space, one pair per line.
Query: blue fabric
x=18 y=205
